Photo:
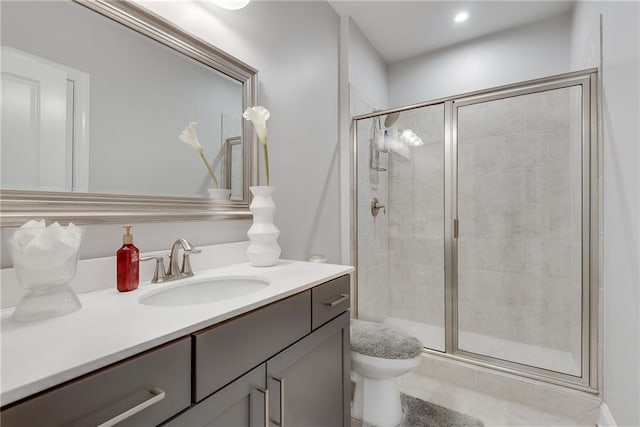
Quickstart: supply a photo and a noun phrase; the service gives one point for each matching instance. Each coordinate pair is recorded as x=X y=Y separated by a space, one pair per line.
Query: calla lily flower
x=190 y=137
x=259 y=115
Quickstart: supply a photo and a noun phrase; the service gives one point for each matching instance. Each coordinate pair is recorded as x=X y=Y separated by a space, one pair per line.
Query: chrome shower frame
x=588 y=381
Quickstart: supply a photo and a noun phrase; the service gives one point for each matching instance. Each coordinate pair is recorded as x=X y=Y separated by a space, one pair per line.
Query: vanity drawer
x=329 y=300
x=224 y=352
x=157 y=381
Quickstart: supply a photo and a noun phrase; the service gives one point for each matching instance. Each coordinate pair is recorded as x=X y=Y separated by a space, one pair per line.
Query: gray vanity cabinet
x=308 y=381
x=306 y=387
x=302 y=347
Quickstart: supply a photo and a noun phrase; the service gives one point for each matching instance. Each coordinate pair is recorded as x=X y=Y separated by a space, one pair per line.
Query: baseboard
x=606 y=418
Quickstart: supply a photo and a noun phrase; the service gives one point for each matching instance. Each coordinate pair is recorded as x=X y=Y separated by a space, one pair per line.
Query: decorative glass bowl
x=45 y=273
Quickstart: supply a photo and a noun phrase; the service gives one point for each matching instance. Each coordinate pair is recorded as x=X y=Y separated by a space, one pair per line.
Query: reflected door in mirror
x=36 y=149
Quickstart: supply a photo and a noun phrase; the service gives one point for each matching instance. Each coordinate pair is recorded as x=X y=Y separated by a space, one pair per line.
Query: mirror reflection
x=90 y=105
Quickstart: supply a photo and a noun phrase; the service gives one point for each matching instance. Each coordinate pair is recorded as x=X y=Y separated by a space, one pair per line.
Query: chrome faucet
x=175 y=271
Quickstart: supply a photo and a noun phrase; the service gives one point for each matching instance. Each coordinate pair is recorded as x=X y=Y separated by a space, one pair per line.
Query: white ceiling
x=403 y=29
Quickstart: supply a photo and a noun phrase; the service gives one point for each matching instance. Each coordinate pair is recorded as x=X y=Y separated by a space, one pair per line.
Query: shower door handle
x=456 y=230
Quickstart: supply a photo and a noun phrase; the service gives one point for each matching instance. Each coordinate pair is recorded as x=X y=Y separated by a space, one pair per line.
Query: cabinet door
x=308 y=382
x=243 y=403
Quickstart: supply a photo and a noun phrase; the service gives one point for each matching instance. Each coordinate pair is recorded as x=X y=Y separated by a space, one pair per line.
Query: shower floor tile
x=492 y=411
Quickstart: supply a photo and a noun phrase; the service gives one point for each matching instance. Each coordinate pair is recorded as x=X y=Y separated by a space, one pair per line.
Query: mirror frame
x=19 y=206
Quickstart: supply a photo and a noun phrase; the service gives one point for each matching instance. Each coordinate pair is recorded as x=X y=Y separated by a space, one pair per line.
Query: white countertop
x=112 y=326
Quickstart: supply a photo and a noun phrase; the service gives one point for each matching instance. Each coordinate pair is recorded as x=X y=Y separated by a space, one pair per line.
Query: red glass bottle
x=127 y=263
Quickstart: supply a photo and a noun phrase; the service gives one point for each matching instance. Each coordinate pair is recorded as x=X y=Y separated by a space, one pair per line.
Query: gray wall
x=367 y=69
x=619 y=227
x=621 y=142
x=536 y=50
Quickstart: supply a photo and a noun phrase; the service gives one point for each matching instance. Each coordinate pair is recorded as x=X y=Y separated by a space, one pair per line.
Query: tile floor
x=492 y=411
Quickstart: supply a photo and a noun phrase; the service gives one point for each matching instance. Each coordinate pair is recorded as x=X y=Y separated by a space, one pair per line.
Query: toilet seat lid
x=376 y=340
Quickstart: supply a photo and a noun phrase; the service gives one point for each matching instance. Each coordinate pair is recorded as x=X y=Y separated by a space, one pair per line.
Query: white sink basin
x=204 y=291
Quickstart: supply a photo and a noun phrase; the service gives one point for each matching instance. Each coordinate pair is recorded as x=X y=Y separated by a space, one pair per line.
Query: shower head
x=391 y=119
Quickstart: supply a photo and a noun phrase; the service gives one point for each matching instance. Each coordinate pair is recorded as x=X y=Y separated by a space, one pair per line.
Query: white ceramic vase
x=263 y=250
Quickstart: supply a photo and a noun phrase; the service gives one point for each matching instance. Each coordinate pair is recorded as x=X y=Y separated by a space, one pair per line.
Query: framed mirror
x=95 y=96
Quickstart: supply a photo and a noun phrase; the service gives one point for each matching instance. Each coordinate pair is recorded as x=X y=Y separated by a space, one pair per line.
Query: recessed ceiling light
x=231 y=4
x=461 y=17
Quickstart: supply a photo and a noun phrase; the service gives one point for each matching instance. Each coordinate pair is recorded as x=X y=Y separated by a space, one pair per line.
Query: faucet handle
x=159 y=273
x=186 y=263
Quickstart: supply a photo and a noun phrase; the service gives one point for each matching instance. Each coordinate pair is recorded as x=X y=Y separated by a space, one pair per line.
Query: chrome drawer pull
x=280 y=381
x=343 y=297
x=158 y=395
x=265 y=394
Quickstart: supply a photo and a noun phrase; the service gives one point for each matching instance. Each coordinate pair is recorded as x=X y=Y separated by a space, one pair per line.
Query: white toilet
x=379 y=355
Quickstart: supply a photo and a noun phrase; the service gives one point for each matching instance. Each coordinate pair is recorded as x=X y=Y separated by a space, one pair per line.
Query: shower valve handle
x=376 y=206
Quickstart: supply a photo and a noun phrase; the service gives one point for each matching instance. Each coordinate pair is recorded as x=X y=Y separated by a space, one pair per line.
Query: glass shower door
x=400 y=249
x=416 y=225
x=518 y=274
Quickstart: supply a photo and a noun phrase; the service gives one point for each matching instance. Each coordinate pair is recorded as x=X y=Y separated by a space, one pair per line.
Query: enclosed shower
x=476 y=219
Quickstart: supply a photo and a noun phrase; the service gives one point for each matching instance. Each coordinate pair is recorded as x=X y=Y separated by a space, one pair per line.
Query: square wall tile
x=548 y=109
x=506 y=116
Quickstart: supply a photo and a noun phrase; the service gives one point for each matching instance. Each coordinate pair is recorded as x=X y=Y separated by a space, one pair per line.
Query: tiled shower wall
x=519 y=211
x=416 y=222
x=373 y=233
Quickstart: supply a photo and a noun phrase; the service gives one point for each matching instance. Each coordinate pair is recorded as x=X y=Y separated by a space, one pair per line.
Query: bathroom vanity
x=274 y=356
x=279 y=356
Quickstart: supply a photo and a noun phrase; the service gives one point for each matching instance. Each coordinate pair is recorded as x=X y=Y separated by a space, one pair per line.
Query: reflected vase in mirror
x=219 y=193
x=263 y=250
